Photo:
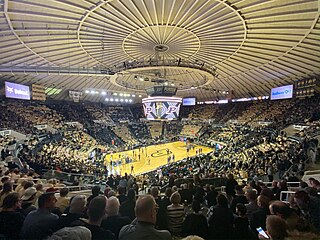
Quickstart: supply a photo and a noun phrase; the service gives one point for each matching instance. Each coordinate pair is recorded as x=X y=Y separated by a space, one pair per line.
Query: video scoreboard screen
x=161 y=91
x=160 y=108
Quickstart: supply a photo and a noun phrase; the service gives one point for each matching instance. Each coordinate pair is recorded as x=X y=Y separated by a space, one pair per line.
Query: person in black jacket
x=96 y=211
x=195 y=223
x=230 y=185
x=114 y=222
x=239 y=198
x=162 y=212
x=127 y=207
x=11 y=220
x=76 y=211
x=259 y=216
x=221 y=220
x=241 y=223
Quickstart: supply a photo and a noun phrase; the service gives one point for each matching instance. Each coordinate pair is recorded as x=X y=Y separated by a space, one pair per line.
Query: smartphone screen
x=263 y=233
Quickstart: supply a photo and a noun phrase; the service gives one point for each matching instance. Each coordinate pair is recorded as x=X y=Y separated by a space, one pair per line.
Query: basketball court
x=152 y=157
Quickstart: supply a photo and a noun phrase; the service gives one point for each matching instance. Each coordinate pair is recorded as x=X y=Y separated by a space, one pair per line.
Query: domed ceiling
x=205 y=48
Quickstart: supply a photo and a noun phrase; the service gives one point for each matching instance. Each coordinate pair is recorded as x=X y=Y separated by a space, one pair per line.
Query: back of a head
x=121 y=190
x=95 y=190
x=64 y=192
x=283 y=184
x=168 y=192
x=7 y=187
x=131 y=195
x=10 y=200
x=27 y=185
x=193 y=237
x=301 y=196
x=39 y=187
x=267 y=192
x=251 y=194
x=263 y=201
x=241 y=209
x=230 y=176
x=222 y=200
x=44 y=198
x=112 y=208
x=196 y=206
x=71 y=233
x=303 y=184
x=175 y=198
x=238 y=189
x=97 y=208
x=155 y=192
x=78 y=204
x=276 y=227
x=111 y=193
x=143 y=206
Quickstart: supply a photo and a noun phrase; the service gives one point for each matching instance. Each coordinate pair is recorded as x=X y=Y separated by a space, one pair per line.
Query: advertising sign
x=283 y=92
x=18 y=91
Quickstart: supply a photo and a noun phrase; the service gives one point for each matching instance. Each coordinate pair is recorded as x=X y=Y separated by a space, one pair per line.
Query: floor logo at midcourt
x=161 y=153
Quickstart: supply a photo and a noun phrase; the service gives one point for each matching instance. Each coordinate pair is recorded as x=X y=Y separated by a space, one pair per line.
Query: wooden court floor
x=152 y=157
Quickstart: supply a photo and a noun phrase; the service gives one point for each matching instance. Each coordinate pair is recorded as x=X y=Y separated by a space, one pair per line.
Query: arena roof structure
x=206 y=48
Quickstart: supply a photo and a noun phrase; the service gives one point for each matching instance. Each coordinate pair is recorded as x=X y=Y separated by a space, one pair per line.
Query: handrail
x=73 y=188
x=313 y=171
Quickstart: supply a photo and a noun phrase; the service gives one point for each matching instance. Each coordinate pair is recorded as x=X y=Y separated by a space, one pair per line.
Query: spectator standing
x=230 y=186
x=221 y=220
x=127 y=207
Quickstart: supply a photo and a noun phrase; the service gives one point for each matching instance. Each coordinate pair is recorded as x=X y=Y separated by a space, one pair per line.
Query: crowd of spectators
x=31 y=209
x=190 y=206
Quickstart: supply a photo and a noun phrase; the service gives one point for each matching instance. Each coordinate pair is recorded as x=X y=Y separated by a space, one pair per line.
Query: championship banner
x=38 y=92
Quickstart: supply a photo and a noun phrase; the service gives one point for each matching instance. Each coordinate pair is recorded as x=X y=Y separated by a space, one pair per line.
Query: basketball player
x=132 y=167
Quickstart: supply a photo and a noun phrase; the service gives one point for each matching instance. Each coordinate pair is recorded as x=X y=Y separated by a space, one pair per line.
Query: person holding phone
x=277 y=229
